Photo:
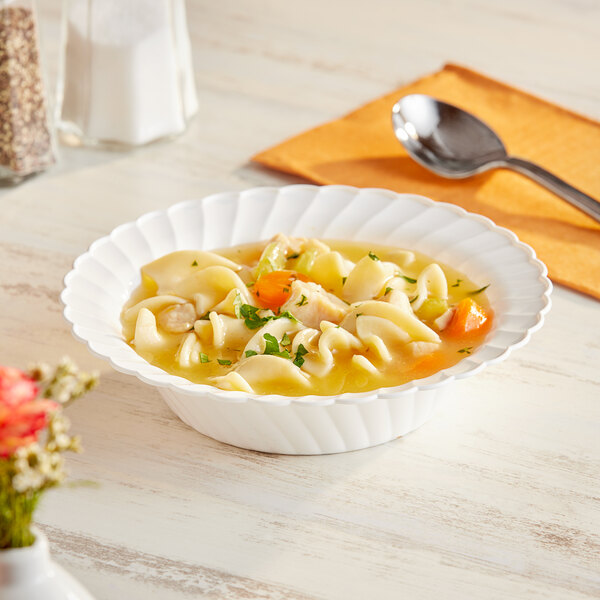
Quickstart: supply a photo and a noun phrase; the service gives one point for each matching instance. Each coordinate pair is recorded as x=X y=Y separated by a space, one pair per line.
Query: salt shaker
x=26 y=139
x=126 y=77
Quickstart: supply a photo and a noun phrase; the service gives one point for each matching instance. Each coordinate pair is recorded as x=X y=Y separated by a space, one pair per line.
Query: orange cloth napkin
x=361 y=149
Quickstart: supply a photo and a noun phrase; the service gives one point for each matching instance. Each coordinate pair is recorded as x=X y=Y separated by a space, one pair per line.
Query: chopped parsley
x=485 y=287
x=205 y=317
x=300 y=352
x=409 y=279
x=253 y=320
x=344 y=280
x=358 y=315
x=204 y=358
x=302 y=301
x=286 y=290
x=222 y=361
x=411 y=301
x=295 y=255
x=195 y=263
x=466 y=350
x=272 y=347
x=387 y=291
x=285 y=340
x=250 y=353
x=373 y=256
x=458 y=282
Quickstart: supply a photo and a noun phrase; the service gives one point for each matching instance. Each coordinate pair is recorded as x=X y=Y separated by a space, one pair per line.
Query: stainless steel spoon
x=453 y=143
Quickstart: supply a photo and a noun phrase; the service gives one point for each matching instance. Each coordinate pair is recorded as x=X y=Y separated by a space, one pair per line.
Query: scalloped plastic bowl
x=103 y=278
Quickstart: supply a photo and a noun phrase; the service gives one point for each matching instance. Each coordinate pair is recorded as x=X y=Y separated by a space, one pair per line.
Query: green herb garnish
x=458 y=282
x=285 y=340
x=344 y=280
x=272 y=347
x=300 y=352
x=290 y=256
x=485 y=287
x=411 y=301
x=195 y=263
x=204 y=358
x=373 y=256
x=250 y=353
x=387 y=291
x=409 y=279
x=302 y=301
x=223 y=361
x=205 y=317
x=465 y=350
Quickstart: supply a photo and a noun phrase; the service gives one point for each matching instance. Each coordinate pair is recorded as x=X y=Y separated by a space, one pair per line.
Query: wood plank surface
x=497 y=497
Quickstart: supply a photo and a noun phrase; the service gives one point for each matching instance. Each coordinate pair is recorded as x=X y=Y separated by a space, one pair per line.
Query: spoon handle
x=577 y=198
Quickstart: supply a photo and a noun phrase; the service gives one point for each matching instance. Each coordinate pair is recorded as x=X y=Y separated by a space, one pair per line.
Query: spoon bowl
x=453 y=143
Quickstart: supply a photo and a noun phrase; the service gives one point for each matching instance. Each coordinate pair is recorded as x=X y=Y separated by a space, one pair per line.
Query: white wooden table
x=497 y=497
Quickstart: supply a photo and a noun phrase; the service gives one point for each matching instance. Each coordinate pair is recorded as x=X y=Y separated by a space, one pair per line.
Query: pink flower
x=22 y=415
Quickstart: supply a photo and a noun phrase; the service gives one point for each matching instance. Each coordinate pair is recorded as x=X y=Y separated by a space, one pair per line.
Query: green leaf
x=272 y=347
x=204 y=358
x=271 y=344
x=222 y=361
x=373 y=256
x=465 y=350
x=409 y=279
x=344 y=280
x=291 y=256
x=300 y=352
x=387 y=291
x=458 y=282
x=302 y=301
x=285 y=340
x=250 y=353
x=485 y=287
x=195 y=263
x=411 y=301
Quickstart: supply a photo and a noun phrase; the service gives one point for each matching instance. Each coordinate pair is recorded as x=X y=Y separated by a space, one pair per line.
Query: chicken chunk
x=177 y=318
x=311 y=304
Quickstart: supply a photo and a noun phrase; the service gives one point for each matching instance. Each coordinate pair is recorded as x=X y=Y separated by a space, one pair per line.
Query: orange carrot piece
x=469 y=319
x=273 y=289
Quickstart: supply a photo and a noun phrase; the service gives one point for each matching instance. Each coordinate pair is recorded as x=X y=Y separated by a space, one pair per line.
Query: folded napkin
x=361 y=149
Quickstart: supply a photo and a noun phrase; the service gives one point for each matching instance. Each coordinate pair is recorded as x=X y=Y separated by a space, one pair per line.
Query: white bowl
x=103 y=278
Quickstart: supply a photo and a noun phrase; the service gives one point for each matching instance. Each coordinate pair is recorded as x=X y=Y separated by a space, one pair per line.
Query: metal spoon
x=453 y=143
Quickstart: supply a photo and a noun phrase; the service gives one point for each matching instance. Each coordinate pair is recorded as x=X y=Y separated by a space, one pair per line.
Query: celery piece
x=272 y=259
x=305 y=261
x=432 y=308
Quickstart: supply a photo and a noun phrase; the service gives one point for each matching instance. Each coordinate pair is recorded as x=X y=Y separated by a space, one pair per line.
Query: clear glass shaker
x=126 y=75
x=26 y=140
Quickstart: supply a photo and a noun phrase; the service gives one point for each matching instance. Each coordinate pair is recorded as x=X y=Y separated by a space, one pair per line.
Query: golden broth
x=344 y=377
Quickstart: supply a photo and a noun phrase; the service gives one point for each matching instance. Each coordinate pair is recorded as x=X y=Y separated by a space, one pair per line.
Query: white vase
x=30 y=574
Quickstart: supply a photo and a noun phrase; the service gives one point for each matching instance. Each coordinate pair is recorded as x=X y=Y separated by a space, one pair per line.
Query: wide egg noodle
x=367 y=279
x=430 y=282
x=147 y=337
x=189 y=351
x=210 y=286
x=154 y=304
x=263 y=369
x=397 y=314
x=172 y=268
x=228 y=332
x=330 y=270
x=332 y=339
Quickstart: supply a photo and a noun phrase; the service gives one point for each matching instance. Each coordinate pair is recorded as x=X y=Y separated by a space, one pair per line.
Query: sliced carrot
x=273 y=289
x=430 y=363
x=469 y=319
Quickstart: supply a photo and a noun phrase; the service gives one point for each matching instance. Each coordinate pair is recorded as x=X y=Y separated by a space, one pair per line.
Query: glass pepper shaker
x=127 y=76
x=26 y=139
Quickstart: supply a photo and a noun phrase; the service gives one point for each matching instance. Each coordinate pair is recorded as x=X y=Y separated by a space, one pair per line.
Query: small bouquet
x=34 y=434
